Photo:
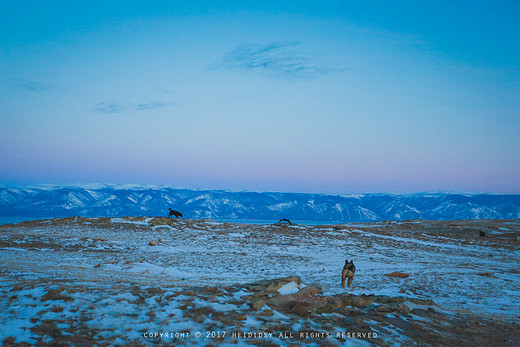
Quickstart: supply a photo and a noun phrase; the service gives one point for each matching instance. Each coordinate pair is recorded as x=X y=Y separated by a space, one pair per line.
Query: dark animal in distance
x=348 y=272
x=177 y=214
x=284 y=220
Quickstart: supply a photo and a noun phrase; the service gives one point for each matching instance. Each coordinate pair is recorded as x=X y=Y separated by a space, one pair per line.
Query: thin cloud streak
x=275 y=58
x=34 y=86
x=105 y=107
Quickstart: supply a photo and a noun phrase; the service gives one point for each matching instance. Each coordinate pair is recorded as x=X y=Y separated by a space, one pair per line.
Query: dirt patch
x=397 y=274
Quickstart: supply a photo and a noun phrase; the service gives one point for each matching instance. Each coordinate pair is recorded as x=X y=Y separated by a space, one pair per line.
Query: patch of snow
x=155 y=227
x=236 y=235
x=289 y=288
x=413 y=306
x=122 y=220
x=215 y=305
x=155 y=269
x=282 y=206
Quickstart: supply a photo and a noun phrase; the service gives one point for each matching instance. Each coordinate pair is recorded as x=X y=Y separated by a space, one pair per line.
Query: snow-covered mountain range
x=107 y=200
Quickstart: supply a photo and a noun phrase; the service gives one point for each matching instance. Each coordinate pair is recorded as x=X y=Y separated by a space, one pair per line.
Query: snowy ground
x=119 y=280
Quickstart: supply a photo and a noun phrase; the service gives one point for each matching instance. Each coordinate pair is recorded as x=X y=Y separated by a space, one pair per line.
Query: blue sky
x=332 y=97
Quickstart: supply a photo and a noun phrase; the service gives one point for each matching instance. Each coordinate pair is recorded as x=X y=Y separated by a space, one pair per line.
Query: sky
x=322 y=97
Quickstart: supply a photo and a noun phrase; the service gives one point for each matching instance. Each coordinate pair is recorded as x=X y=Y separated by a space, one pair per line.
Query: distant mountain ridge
x=128 y=200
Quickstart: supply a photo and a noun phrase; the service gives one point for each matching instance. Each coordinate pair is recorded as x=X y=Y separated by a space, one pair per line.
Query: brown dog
x=348 y=271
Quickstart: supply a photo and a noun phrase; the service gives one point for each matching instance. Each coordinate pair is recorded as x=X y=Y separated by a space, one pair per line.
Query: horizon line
x=121 y=186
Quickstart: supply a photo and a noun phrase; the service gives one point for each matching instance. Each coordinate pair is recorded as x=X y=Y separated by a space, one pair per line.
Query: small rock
x=267 y=286
x=362 y=301
x=403 y=308
x=301 y=308
x=397 y=274
x=311 y=290
x=257 y=304
x=383 y=308
x=152 y=243
x=266 y=313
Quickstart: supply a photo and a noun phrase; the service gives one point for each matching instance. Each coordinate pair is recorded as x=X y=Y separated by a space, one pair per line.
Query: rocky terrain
x=160 y=281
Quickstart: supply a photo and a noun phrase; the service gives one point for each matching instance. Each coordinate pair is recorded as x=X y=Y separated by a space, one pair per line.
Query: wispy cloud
x=105 y=107
x=276 y=58
x=34 y=86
